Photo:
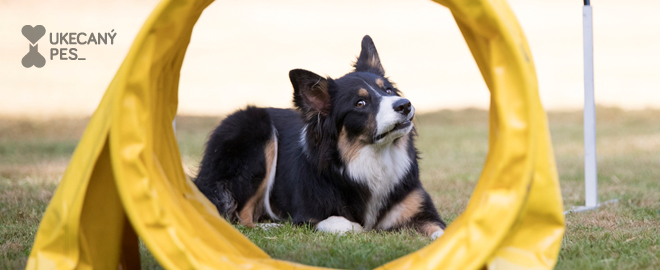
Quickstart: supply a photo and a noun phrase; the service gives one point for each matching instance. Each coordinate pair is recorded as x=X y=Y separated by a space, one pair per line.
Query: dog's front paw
x=437 y=234
x=338 y=225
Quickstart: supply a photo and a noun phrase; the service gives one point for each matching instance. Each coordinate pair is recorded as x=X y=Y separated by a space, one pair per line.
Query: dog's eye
x=360 y=103
x=388 y=91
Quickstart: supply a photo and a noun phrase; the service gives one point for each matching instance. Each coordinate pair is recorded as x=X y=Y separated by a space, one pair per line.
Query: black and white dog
x=344 y=160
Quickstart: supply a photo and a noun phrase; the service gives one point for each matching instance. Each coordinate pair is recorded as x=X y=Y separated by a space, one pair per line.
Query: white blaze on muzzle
x=387 y=117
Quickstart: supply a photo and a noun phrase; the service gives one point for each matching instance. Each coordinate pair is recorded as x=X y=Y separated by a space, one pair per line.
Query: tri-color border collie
x=343 y=160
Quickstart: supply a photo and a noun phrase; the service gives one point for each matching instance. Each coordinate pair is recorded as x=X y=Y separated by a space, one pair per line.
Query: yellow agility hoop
x=125 y=178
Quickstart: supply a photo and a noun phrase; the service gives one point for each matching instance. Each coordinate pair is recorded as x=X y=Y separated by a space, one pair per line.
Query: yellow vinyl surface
x=125 y=177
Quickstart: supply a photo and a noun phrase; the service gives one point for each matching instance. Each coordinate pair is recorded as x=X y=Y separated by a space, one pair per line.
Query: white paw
x=339 y=225
x=267 y=226
x=437 y=234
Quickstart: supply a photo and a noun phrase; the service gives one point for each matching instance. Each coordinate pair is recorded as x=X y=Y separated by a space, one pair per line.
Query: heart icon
x=33 y=34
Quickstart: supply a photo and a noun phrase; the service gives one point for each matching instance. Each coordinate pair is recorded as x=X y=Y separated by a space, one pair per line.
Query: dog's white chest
x=380 y=169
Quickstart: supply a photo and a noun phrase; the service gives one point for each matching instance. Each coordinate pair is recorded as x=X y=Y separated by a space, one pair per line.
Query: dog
x=343 y=160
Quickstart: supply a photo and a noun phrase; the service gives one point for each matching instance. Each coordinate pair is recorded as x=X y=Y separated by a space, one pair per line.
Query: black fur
x=312 y=181
x=234 y=161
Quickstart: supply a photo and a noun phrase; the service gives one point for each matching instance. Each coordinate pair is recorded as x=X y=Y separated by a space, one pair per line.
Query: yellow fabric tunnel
x=125 y=179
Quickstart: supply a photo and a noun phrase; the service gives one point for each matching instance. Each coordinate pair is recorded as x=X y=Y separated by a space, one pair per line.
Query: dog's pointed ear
x=310 y=92
x=368 y=60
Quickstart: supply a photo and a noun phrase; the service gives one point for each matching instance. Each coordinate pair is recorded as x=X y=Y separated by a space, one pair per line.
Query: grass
x=624 y=235
x=352 y=251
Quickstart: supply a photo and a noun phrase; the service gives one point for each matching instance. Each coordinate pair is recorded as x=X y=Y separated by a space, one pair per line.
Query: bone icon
x=33 y=57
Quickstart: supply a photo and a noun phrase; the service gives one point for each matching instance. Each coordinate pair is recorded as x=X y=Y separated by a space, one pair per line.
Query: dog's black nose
x=402 y=106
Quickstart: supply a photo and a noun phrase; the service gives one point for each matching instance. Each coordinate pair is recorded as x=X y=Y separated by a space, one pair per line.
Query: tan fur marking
x=363 y=92
x=370 y=126
x=410 y=206
x=253 y=208
x=403 y=211
x=380 y=82
x=348 y=150
x=429 y=228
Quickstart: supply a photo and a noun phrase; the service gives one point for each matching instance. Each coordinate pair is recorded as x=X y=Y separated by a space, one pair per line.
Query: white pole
x=590 y=172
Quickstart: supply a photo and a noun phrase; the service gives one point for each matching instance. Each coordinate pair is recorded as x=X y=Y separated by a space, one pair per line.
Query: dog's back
x=238 y=162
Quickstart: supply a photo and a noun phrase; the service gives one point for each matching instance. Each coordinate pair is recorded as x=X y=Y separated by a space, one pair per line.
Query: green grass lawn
x=624 y=235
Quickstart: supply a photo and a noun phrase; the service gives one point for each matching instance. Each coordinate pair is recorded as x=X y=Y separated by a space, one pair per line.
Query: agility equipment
x=590 y=165
x=125 y=178
x=590 y=172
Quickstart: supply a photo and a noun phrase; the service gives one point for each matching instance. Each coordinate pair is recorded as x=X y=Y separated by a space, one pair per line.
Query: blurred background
x=241 y=52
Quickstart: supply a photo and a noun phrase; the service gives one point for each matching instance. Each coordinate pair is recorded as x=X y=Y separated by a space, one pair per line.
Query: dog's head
x=362 y=108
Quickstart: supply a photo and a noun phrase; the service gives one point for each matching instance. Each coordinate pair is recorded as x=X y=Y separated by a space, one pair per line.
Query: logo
x=64 y=44
x=33 y=57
